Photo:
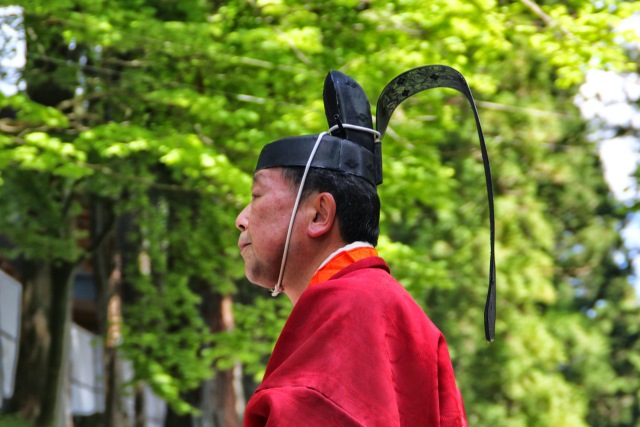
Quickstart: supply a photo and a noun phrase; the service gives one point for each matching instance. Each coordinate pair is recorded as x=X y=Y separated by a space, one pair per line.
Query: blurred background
x=129 y=130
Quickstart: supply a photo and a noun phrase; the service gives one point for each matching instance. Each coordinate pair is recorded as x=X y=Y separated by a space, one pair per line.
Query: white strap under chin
x=279 y=288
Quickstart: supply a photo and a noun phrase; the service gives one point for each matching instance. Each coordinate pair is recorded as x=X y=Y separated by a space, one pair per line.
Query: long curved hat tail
x=435 y=76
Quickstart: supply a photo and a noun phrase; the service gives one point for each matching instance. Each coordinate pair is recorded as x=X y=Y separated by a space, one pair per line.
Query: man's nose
x=242 y=221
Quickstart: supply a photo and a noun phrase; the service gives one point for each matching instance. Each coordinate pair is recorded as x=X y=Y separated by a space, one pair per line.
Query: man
x=356 y=349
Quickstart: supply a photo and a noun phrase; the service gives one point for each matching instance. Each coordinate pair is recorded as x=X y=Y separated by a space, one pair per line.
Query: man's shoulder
x=364 y=290
x=369 y=278
x=372 y=265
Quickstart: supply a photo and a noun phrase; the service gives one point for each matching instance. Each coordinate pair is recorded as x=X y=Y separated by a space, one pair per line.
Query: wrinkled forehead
x=269 y=178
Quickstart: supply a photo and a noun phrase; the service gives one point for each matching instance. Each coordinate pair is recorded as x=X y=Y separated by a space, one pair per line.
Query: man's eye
x=254 y=196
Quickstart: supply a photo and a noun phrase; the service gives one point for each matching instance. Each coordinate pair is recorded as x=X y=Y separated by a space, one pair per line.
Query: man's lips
x=243 y=244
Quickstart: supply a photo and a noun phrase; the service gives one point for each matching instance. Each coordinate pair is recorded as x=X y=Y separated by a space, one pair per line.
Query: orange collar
x=341 y=260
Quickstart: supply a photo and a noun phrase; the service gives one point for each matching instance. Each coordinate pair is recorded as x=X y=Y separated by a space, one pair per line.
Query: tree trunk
x=223 y=394
x=35 y=339
x=107 y=270
x=59 y=322
x=45 y=319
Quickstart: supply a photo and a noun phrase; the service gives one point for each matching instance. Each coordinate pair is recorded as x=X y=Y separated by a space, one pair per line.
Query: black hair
x=357 y=201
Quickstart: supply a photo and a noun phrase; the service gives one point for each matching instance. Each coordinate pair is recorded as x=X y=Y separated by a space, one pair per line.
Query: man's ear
x=323 y=209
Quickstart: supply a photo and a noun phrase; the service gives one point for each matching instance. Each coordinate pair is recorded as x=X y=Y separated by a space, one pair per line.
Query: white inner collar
x=344 y=249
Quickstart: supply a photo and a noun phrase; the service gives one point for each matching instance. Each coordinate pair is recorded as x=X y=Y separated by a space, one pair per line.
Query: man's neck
x=297 y=280
x=302 y=281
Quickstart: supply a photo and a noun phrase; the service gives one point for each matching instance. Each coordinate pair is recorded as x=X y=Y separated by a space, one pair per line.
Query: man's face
x=263 y=224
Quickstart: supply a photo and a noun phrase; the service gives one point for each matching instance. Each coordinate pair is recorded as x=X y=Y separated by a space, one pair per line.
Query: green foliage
x=158 y=109
x=257 y=327
x=164 y=335
x=12 y=421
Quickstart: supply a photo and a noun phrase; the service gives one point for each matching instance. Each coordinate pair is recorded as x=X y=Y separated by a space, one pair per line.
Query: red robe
x=358 y=351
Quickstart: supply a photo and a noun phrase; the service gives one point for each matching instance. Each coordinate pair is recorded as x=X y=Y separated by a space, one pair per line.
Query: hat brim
x=333 y=153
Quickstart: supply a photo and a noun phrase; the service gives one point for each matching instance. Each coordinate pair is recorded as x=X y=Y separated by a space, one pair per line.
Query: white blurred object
x=86 y=371
x=10 y=304
x=620 y=160
x=155 y=409
x=14 y=47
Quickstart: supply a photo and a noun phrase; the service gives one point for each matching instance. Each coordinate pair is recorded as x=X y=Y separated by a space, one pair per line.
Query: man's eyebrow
x=256 y=179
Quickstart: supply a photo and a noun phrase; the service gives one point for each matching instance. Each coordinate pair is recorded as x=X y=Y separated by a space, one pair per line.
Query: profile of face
x=263 y=225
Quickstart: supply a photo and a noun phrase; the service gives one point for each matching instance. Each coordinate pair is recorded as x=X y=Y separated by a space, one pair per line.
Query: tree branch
x=548 y=20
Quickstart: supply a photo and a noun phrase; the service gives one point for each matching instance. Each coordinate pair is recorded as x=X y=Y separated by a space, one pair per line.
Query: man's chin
x=258 y=282
x=264 y=286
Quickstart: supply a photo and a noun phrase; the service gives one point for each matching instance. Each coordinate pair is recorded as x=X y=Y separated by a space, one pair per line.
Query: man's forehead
x=267 y=176
x=259 y=177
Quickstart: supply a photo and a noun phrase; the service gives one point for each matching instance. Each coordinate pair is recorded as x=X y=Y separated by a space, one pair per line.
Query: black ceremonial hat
x=352 y=146
x=346 y=149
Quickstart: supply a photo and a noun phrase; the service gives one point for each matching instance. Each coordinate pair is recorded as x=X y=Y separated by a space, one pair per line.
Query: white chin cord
x=279 y=288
